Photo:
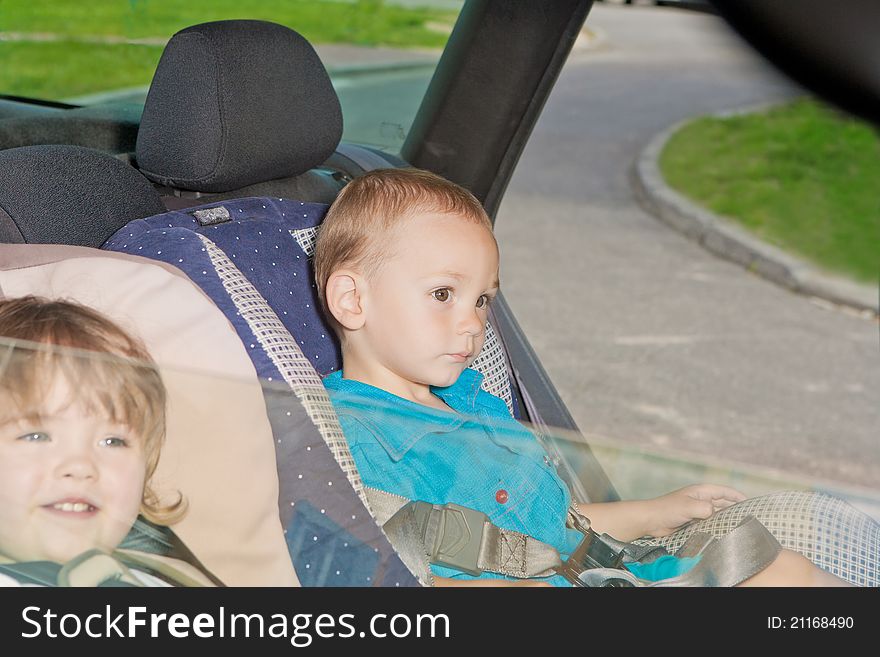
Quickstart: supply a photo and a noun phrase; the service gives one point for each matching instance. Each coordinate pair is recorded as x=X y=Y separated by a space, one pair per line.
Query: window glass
x=662 y=334
x=380 y=54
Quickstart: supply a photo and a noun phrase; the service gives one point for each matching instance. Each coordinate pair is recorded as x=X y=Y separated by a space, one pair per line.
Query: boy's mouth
x=460 y=357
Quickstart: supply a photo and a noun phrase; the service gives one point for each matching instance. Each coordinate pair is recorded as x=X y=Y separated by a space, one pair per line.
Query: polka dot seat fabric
x=244 y=257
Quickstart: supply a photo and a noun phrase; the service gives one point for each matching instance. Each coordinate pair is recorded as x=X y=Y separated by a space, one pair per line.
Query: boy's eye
x=35 y=437
x=483 y=301
x=441 y=295
x=114 y=441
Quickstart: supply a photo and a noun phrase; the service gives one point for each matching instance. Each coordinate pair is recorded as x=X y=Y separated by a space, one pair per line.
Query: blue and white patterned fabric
x=331 y=537
x=269 y=241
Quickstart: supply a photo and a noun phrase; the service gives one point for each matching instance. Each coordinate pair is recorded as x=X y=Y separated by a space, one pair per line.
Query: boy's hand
x=669 y=512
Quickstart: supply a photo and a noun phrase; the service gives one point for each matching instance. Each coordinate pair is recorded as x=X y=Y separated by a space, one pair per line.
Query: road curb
x=729 y=241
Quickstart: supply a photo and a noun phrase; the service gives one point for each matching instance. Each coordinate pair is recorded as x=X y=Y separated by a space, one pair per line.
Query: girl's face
x=70 y=480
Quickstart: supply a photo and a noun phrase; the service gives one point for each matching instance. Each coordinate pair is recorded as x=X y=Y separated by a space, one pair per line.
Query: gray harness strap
x=465 y=539
x=727 y=561
x=384 y=504
x=458 y=537
x=405 y=534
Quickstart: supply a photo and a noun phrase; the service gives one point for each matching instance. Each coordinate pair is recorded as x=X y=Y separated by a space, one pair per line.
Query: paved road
x=650 y=340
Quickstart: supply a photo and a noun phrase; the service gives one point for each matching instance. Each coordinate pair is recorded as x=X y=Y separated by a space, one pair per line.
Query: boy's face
x=428 y=303
x=69 y=481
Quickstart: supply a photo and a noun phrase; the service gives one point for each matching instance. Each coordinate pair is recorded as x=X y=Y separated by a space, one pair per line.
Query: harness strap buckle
x=592 y=552
x=453 y=535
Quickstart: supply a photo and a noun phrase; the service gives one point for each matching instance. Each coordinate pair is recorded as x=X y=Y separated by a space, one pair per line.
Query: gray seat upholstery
x=240 y=108
x=57 y=194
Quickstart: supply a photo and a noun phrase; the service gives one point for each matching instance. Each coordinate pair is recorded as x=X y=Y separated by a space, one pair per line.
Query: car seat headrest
x=234 y=103
x=69 y=195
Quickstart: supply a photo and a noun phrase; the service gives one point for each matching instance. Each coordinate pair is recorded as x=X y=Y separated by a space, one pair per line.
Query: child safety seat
x=244 y=256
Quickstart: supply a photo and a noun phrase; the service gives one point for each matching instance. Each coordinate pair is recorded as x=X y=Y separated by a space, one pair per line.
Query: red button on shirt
x=501 y=496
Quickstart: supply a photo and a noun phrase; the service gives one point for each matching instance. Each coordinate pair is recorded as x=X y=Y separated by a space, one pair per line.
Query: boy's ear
x=344 y=298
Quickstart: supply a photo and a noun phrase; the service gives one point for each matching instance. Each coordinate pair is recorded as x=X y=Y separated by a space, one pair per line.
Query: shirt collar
x=462 y=395
x=397 y=423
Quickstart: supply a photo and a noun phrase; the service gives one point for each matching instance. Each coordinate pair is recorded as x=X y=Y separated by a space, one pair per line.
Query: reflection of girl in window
x=80 y=436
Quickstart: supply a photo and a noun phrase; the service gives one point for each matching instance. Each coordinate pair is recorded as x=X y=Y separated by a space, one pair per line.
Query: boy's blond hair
x=357 y=226
x=120 y=381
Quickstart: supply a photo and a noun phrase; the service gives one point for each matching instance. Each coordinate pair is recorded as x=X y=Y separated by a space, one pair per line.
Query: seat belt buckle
x=592 y=552
x=459 y=538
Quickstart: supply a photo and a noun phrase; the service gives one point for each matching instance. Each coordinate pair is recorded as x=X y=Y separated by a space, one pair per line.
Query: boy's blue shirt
x=475 y=455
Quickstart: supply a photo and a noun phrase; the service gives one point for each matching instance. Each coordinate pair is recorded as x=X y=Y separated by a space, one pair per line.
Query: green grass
x=70 y=66
x=62 y=70
x=364 y=22
x=800 y=176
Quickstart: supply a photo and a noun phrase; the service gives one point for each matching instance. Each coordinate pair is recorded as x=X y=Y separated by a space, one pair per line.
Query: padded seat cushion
x=69 y=195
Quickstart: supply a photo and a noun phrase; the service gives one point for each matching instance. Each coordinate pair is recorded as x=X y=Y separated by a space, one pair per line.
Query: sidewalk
x=341 y=61
x=346 y=60
x=728 y=240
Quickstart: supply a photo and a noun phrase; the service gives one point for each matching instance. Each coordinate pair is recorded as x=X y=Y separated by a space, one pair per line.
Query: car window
x=658 y=341
x=380 y=55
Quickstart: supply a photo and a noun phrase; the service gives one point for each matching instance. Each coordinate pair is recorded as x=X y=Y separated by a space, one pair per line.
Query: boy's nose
x=472 y=324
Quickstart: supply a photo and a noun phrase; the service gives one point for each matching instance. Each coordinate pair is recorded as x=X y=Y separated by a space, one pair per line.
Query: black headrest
x=234 y=103
x=69 y=195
